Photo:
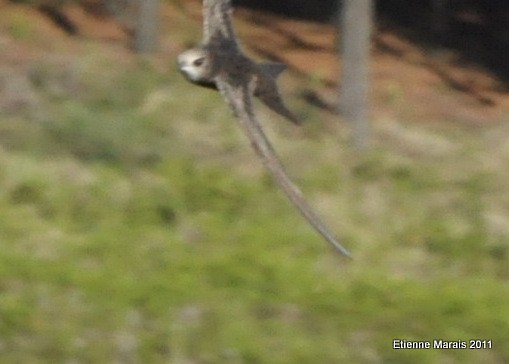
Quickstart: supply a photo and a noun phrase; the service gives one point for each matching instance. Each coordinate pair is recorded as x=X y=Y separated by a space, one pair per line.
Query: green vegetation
x=19 y=26
x=136 y=225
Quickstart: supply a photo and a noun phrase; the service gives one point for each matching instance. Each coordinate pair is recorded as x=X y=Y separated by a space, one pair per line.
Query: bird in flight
x=220 y=63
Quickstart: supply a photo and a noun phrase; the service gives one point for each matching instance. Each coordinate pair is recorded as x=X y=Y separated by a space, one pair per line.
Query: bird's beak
x=180 y=62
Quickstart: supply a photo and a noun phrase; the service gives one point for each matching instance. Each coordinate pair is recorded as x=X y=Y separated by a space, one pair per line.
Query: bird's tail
x=274 y=101
x=273 y=69
x=267 y=90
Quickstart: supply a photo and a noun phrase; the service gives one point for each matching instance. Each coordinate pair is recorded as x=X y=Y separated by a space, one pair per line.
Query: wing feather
x=239 y=97
x=217 y=23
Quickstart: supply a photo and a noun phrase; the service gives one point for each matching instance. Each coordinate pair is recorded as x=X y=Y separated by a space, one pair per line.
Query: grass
x=137 y=226
x=19 y=27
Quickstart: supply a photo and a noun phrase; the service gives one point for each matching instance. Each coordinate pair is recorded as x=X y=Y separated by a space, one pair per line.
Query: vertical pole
x=146 y=26
x=356 y=24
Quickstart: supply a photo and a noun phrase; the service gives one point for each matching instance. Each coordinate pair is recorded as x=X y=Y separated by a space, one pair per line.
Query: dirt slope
x=409 y=83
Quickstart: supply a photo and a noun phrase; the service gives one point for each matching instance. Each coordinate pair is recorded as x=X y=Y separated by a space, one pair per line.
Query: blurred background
x=138 y=226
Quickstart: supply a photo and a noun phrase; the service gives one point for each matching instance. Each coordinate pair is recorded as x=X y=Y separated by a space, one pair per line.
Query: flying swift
x=220 y=63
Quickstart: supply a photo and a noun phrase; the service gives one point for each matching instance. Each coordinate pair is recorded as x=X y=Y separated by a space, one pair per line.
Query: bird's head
x=195 y=64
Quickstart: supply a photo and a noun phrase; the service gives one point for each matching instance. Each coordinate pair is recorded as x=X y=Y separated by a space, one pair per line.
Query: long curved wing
x=239 y=96
x=217 y=23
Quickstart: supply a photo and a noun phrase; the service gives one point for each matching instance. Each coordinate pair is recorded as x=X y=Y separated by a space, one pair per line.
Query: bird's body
x=220 y=63
x=194 y=65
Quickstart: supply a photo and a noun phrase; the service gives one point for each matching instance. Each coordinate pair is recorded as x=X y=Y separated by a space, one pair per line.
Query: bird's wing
x=217 y=23
x=239 y=96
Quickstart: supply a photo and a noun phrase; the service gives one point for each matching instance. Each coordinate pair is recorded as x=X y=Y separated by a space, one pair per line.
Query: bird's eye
x=199 y=62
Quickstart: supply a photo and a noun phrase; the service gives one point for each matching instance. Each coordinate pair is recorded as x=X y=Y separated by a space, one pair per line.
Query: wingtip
x=343 y=251
x=337 y=246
